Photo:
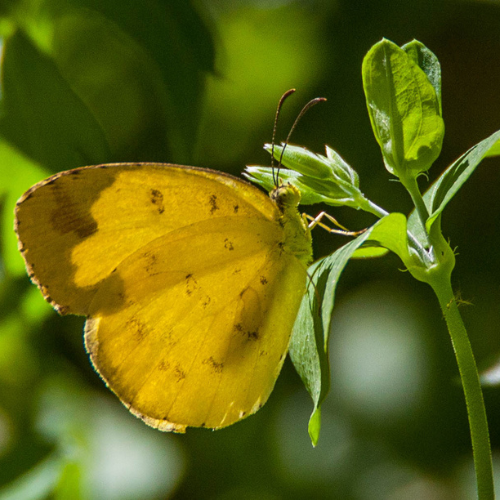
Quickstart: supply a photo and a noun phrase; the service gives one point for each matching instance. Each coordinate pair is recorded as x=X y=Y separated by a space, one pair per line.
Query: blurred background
x=197 y=82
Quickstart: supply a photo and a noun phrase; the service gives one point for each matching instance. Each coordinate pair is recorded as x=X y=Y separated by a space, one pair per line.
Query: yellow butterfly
x=190 y=280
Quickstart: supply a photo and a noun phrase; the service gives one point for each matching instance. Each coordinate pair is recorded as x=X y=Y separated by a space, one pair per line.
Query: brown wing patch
x=213 y=204
x=214 y=365
x=157 y=200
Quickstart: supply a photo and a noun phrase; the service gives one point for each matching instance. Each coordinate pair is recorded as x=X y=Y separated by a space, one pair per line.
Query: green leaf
x=309 y=342
x=318 y=167
x=175 y=36
x=314 y=426
x=404 y=110
x=35 y=103
x=341 y=168
x=302 y=160
x=429 y=63
x=320 y=179
x=263 y=176
x=451 y=180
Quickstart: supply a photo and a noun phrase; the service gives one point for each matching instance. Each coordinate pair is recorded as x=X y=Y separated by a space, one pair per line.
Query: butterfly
x=190 y=280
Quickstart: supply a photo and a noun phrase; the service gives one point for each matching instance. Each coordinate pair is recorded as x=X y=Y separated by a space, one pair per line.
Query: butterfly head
x=285 y=196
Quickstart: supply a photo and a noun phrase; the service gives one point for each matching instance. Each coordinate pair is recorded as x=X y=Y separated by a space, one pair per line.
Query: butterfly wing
x=190 y=296
x=75 y=227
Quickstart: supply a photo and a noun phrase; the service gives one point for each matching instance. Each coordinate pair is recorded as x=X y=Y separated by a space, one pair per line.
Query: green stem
x=411 y=186
x=472 y=389
x=368 y=206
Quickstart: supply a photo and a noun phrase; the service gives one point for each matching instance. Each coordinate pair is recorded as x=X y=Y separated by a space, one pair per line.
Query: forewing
x=76 y=227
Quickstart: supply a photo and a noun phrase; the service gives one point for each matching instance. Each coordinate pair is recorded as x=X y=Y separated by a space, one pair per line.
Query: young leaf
x=429 y=63
x=263 y=176
x=456 y=174
x=302 y=160
x=404 y=110
x=309 y=343
x=451 y=180
x=327 y=179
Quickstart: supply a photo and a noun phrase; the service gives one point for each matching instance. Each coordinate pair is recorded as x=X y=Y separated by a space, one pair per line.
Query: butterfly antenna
x=280 y=104
x=308 y=106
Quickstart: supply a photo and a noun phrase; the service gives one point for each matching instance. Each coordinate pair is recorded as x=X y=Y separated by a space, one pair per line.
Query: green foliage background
x=93 y=81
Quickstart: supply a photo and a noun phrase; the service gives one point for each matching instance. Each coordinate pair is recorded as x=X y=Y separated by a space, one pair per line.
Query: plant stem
x=472 y=388
x=368 y=206
x=411 y=186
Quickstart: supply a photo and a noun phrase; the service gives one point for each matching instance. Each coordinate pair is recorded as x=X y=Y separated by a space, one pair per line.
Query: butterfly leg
x=316 y=221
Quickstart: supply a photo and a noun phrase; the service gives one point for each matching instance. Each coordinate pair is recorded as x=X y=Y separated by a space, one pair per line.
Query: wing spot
x=179 y=373
x=228 y=244
x=163 y=366
x=150 y=264
x=138 y=326
x=191 y=284
x=263 y=353
x=263 y=280
x=252 y=334
x=238 y=327
x=157 y=200
x=213 y=204
x=242 y=413
x=282 y=356
x=167 y=336
x=206 y=302
x=236 y=208
x=216 y=367
x=236 y=271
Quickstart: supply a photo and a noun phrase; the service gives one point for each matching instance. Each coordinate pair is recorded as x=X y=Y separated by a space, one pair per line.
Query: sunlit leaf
x=428 y=62
x=404 y=110
x=452 y=179
x=455 y=176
